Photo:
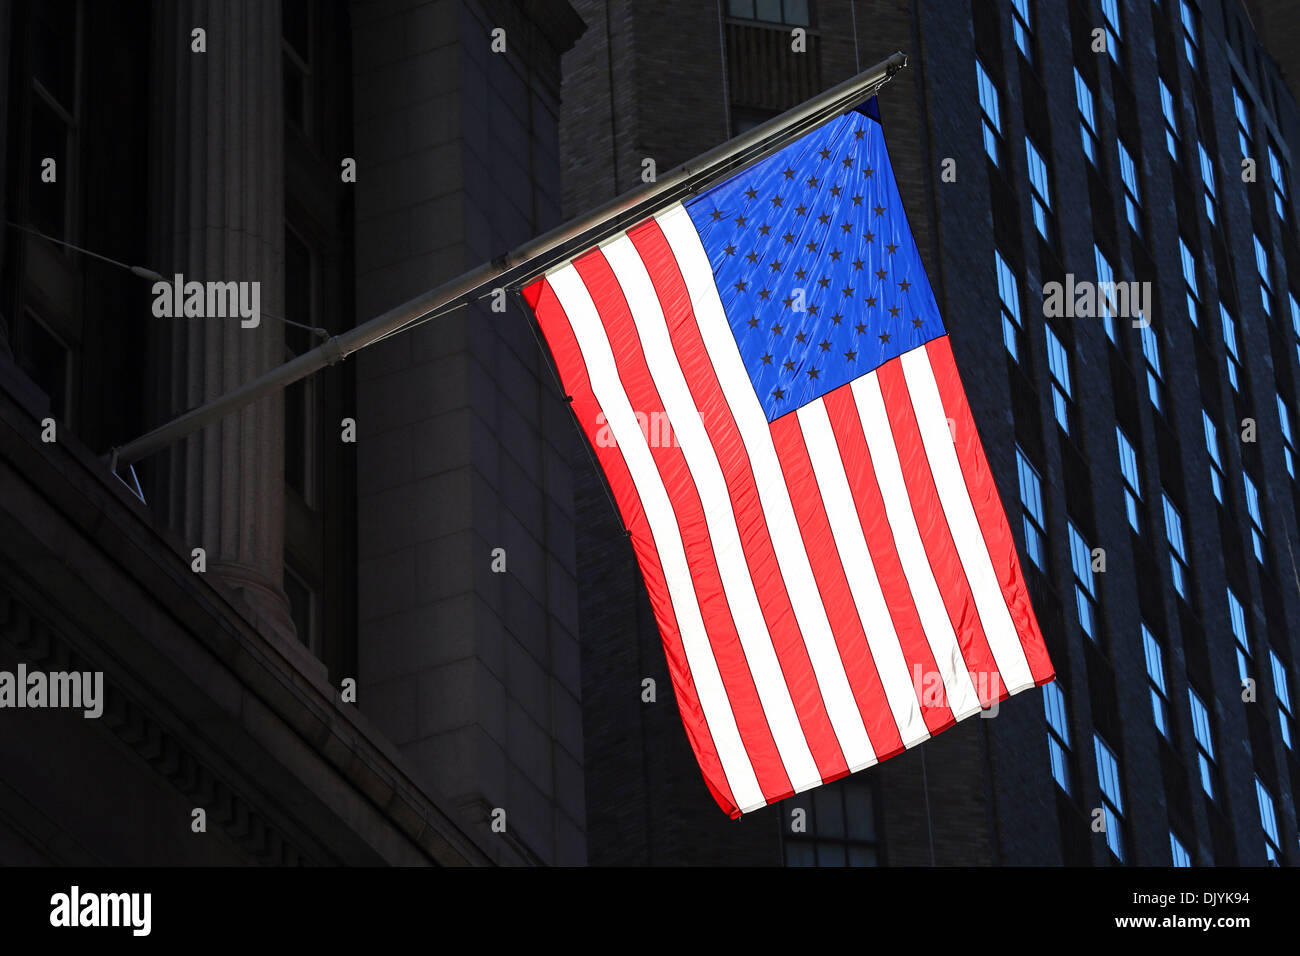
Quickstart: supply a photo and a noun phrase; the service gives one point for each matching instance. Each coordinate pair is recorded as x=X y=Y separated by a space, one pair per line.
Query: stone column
x=217 y=141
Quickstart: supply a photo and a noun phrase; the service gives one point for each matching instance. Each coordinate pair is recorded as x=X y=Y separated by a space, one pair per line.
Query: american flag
x=828 y=560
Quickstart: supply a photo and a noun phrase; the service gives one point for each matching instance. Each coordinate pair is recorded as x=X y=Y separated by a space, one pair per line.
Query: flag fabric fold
x=768 y=386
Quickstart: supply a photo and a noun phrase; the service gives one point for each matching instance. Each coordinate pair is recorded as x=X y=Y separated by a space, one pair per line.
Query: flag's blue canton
x=815 y=264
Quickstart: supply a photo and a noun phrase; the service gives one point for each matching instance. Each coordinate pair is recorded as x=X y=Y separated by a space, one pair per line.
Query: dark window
x=839 y=825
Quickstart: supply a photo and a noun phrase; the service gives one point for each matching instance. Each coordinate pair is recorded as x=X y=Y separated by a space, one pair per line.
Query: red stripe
x=670 y=288
x=936 y=535
x=842 y=409
x=573 y=373
x=828 y=569
x=611 y=305
x=988 y=509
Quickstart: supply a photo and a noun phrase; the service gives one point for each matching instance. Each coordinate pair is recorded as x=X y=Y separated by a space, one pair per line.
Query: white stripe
x=973 y=550
x=605 y=384
x=774 y=496
x=962 y=698
x=719 y=514
x=873 y=611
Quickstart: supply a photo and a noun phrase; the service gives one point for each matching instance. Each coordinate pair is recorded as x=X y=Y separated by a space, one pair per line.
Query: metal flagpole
x=552 y=246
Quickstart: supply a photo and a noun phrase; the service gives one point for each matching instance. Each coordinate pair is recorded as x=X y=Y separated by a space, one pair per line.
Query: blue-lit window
x=1009 y=296
x=1112 y=798
x=1295 y=321
x=1282 y=690
x=1177 y=547
x=1216 y=462
x=1268 y=820
x=1031 y=499
x=1265 y=275
x=1085 y=585
x=1058 y=735
x=1278 y=173
x=991 y=120
x=1155 y=658
x=1189 y=280
x=1105 y=280
x=1204 y=742
x=1128 y=468
x=1132 y=197
x=1177 y=852
x=1242 y=112
x=1191 y=34
x=1207 y=182
x=1256 y=517
x=1110 y=10
x=1088 y=117
x=1171 y=119
x=1288 y=437
x=1237 y=618
x=1058 y=362
x=1040 y=191
x=1230 y=347
x=1022 y=28
x=1151 y=353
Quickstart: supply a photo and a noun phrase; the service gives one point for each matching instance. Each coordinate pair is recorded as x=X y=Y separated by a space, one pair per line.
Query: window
x=1132 y=198
x=1088 y=117
x=1230 y=347
x=1040 y=192
x=1128 y=468
x=1288 y=438
x=1177 y=852
x=1177 y=548
x=793 y=12
x=1278 y=173
x=1112 y=800
x=1110 y=10
x=304 y=609
x=1237 y=618
x=1265 y=276
x=839 y=825
x=1058 y=362
x=1204 y=742
x=991 y=120
x=1058 y=735
x=1022 y=28
x=1191 y=34
x=1085 y=585
x=1282 y=689
x=1155 y=657
x=1268 y=820
x=1189 y=280
x=1207 y=182
x=1105 y=280
x=296 y=62
x=1295 y=320
x=302 y=398
x=1243 y=121
x=1256 y=517
x=1009 y=295
x=1031 y=500
x=1216 y=462
x=1151 y=353
x=1171 y=119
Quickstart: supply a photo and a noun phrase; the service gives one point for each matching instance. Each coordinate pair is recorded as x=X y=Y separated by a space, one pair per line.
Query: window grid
x=1268 y=821
x=1112 y=800
x=1189 y=280
x=991 y=118
x=1288 y=437
x=1085 y=585
x=1155 y=660
x=1191 y=35
x=1216 y=462
x=1207 y=183
x=1022 y=28
x=1278 y=174
x=1253 y=509
x=1009 y=295
x=1171 y=119
x=1110 y=11
x=1282 y=690
x=1265 y=276
x=1132 y=197
x=1058 y=735
x=1105 y=280
x=1058 y=362
x=1237 y=617
x=1128 y=468
x=1230 y=351
x=1088 y=114
x=1031 y=498
x=1243 y=122
x=1151 y=353
x=1178 y=852
x=1177 y=549
x=1040 y=191
x=1204 y=742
